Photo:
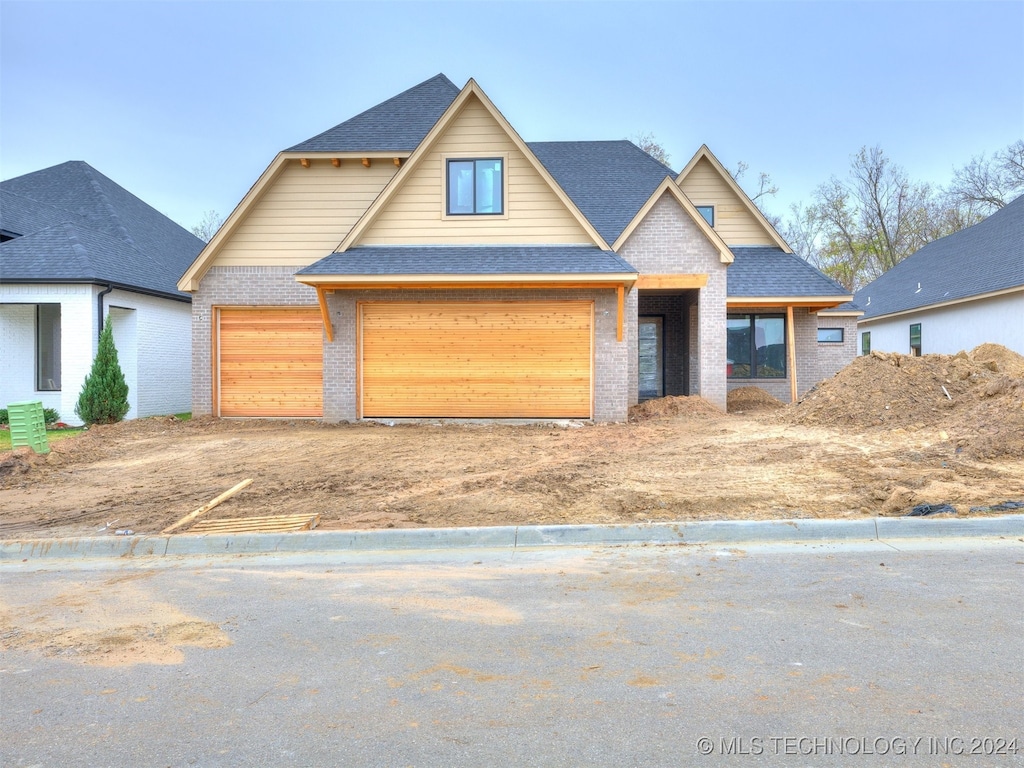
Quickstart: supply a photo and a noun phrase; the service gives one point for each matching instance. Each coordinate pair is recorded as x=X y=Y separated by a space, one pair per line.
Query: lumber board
x=264 y=524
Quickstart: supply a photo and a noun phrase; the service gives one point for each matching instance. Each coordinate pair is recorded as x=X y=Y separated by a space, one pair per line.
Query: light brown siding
x=534 y=213
x=477 y=359
x=733 y=222
x=305 y=213
x=270 y=362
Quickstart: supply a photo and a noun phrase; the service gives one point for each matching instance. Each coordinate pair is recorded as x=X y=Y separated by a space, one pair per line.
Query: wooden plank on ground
x=266 y=524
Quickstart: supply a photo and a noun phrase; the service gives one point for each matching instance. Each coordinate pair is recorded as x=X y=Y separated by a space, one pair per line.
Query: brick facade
x=236 y=287
x=833 y=356
x=276 y=286
x=668 y=241
x=805 y=326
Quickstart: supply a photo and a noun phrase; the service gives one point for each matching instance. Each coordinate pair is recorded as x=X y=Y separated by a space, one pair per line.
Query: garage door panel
x=477 y=359
x=270 y=362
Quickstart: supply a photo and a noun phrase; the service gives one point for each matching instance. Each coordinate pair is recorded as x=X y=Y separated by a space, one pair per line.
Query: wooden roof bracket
x=304 y=162
x=336 y=162
x=321 y=297
x=366 y=162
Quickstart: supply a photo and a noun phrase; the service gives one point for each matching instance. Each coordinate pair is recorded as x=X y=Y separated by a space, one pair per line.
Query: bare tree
x=765 y=186
x=207 y=226
x=649 y=144
x=983 y=186
x=867 y=223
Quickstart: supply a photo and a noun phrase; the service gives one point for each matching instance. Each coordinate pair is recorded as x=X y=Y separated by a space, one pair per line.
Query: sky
x=185 y=104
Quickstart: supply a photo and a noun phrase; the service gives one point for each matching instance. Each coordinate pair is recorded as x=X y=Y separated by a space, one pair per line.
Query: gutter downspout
x=99 y=307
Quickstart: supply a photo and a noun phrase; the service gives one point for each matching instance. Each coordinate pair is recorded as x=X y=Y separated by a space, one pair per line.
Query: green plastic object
x=28 y=427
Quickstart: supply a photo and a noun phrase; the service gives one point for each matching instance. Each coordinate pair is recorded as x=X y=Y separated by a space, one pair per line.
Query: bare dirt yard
x=885 y=434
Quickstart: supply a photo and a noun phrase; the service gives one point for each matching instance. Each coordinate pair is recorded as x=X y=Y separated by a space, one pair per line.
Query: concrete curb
x=877 y=529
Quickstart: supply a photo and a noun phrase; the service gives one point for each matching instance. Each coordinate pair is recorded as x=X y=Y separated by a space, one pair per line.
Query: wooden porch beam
x=620 y=295
x=676 y=282
x=791 y=352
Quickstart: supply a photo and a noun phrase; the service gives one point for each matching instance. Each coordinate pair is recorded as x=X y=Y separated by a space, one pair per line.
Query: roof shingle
x=78 y=225
x=981 y=259
x=396 y=125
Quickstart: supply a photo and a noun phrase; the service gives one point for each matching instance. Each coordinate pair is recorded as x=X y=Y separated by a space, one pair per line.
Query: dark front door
x=652 y=367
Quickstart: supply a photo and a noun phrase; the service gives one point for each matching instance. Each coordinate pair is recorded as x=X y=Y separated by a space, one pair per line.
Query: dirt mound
x=977 y=398
x=752 y=400
x=672 y=406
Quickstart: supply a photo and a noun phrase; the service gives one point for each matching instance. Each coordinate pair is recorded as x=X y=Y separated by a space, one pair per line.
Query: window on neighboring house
x=756 y=346
x=865 y=343
x=830 y=335
x=915 y=339
x=48 y=347
x=708 y=212
x=476 y=187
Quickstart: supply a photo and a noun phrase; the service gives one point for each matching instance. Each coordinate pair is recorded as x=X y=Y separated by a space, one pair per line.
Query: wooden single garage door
x=270 y=362
x=477 y=359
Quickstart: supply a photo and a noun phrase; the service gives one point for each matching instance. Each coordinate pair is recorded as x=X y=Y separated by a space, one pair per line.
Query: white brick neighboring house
x=422 y=260
x=76 y=248
x=953 y=294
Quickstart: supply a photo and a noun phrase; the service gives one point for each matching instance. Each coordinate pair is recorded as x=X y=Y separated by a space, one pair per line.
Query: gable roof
x=765 y=272
x=669 y=187
x=983 y=259
x=76 y=225
x=470 y=91
x=396 y=125
x=608 y=180
x=706 y=154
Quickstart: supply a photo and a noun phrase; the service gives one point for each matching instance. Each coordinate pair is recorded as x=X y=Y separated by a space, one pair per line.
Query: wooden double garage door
x=481 y=359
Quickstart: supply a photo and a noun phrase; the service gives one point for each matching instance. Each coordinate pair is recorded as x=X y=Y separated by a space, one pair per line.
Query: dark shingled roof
x=76 y=225
x=986 y=257
x=767 y=271
x=470 y=260
x=609 y=181
x=396 y=125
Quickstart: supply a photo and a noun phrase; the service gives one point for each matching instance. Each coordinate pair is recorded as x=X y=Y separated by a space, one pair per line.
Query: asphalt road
x=617 y=656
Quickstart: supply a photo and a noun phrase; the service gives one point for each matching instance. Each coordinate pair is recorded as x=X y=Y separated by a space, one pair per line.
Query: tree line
x=857 y=227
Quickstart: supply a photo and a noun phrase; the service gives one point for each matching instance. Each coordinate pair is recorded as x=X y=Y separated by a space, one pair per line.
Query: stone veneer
x=276 y=286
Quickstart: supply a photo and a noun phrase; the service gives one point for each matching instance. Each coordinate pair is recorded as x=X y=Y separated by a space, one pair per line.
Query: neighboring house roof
x=983 y=259
x=471 y=260
x=76 y=225
x=608 y=180
x=398 y=124
x=771 y=272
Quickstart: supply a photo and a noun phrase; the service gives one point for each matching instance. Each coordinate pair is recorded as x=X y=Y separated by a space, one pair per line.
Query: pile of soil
x=975 y=398
x=671 y=407
x=752 y=400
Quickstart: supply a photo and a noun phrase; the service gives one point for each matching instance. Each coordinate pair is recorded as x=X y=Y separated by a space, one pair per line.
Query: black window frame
x=840 y=340
x=753 y=364
x=51 y=359
x=702 y=208
x=915 y=349
x=448 y=186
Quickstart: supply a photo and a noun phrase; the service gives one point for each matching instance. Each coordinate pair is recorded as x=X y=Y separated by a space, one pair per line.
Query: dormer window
x=476 y=187
x=708 y=212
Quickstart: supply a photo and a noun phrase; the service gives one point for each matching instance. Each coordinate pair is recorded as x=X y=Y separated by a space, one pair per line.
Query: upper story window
x=476 y=186
x=708 y=212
